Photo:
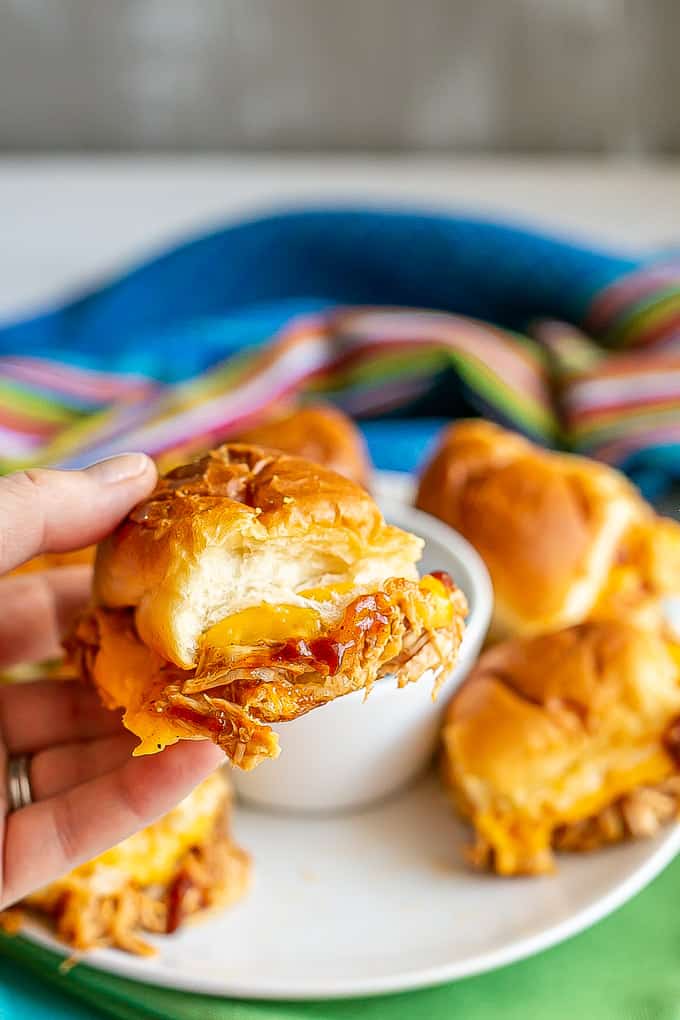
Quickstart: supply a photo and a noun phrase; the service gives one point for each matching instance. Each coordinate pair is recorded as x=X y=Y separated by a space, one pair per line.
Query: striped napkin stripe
x=640 y=309
x=556 y=384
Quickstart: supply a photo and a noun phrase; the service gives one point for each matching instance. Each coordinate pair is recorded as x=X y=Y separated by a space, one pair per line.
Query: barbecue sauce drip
x=176 y=896
x=371 y=612
x=327 y=651
x=215 y=723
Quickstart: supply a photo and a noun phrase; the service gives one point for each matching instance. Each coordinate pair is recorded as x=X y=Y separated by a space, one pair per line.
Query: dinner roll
x=251 y=587
x=320 y=433
x=549 y=526
x=566 y=740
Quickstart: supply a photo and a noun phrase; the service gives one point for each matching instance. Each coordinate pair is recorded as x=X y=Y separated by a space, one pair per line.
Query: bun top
x=319 y=433
x=547 y=525
x=242 y=526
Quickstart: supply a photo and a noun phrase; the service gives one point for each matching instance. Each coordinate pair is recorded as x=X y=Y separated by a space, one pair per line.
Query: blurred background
x=128 y=126
x=493 y=76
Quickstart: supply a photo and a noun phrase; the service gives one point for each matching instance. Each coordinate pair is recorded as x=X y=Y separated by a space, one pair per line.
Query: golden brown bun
x=241 y=526
x=250 y=588
x=319 y=433
x=548 y=733
x=547 y=525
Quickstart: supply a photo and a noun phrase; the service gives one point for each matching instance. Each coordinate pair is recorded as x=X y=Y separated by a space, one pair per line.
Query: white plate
x=379 y=901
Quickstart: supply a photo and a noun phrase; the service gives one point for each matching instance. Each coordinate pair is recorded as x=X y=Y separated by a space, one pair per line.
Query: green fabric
x=625 y=968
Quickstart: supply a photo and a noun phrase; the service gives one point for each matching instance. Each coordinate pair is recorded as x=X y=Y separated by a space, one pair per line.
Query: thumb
x=45 y=510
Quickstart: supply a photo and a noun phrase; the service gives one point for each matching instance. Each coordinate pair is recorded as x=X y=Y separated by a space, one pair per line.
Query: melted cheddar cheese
x=516 y=838
x=438 y=610
x=264 y=623
x=278 y=623
x=327 y=594
x=616 y=784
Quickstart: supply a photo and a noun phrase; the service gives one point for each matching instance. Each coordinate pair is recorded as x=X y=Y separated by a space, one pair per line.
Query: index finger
x=45 y=510
x=49 y=712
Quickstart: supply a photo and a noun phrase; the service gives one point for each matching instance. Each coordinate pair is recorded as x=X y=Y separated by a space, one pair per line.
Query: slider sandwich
x=565 y=538
x=566 y=741
x=179 y=866
x=250 y=588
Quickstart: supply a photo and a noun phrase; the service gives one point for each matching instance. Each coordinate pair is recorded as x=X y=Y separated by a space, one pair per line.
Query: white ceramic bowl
x=353 y=751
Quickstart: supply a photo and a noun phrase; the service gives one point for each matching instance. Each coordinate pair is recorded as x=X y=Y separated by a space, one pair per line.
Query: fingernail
x=121 y=468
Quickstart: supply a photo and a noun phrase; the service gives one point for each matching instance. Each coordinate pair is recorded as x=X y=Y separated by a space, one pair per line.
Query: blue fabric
x=23 y=997
x=401 y=444
x=187 y=308
x=230 y=290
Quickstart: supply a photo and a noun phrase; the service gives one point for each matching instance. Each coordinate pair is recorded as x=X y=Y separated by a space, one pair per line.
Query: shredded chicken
x=211 y=875
x=638 y=815
x=237 y=691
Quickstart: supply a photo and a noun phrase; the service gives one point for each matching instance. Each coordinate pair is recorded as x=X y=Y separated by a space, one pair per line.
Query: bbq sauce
x=369 y=613
x=216 y=723
x=176 y=896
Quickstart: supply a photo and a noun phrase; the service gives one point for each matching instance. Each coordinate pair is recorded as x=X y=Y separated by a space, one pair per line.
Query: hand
x=88 y=792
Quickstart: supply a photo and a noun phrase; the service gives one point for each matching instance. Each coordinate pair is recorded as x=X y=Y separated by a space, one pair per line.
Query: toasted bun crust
x=243 y=525
x=547 y=525
x=547 y=731
x=319 y=433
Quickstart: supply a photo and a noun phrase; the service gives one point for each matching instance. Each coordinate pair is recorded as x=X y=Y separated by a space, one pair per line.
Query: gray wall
x=481 y=75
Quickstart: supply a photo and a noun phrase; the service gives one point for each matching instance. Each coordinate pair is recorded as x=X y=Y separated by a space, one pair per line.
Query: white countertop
x=68 y=221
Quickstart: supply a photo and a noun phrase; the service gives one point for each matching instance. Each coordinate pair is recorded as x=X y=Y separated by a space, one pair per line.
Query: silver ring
x=19 y=793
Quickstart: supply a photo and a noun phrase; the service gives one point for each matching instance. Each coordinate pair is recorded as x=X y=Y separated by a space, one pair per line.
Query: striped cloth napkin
x=388 y=314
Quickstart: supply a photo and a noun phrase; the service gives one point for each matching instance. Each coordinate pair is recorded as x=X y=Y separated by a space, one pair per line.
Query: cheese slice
x=516 y=837
x=329 y=593
x=264 y=623
x=277 y=623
